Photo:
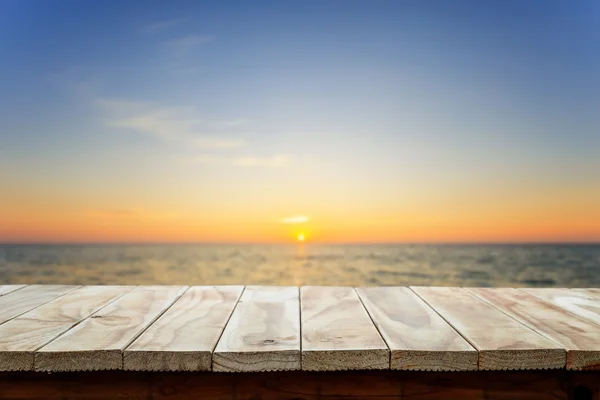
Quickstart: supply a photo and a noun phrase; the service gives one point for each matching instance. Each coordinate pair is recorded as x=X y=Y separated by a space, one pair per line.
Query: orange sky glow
x=562 y=218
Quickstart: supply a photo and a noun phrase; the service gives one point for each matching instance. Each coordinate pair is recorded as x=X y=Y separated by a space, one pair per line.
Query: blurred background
x=315 y=142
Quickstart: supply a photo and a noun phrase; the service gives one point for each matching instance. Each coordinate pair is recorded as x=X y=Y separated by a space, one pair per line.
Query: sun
x=300 y=237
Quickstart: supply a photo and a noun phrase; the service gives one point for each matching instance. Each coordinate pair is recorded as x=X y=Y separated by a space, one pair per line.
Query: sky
x=342 y=121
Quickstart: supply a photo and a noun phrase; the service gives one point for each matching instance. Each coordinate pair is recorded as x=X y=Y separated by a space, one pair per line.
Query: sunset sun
x=300 y=237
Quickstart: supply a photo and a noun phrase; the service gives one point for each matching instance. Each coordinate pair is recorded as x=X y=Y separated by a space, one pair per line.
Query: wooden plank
x=419 y=339
x=337 y=332
x=502 y=342
x=184 y=337
x=579 y=337
x=583 y=303
x=26 y=299
x=6 y=289
x=263 y=333
x=98 y=342
x=21 y=336
x=589 y=291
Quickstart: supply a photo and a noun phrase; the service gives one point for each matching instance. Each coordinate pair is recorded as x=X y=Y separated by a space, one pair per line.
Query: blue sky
x=298 y=107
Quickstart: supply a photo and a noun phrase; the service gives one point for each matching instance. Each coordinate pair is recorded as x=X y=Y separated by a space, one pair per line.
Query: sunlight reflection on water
x=304 y=264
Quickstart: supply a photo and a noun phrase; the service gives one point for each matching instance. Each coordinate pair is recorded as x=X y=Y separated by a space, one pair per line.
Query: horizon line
x=358 y=243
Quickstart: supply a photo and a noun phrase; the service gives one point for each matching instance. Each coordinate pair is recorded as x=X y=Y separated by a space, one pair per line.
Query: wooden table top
x=312 y=328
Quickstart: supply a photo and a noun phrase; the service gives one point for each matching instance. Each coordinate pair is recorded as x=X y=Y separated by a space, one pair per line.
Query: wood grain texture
x=98 y=342
x=583 y=303
x=337 y=332
x=21 y=336
x=418 y=338
x=6 y=289
x=184 y=337
x=263 y=333
x=20 y=301
x=503 y=343
x=579 y=337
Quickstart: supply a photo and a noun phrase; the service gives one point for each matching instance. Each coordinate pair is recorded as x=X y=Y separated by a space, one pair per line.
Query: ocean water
x=452 y=265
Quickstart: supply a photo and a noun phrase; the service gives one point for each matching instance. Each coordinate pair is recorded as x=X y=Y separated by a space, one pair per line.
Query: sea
x=308 y=264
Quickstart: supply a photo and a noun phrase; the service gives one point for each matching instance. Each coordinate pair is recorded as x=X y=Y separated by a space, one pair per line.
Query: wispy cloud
x=295 y=219
x=189 y=42
x=218 y=143
x=206 y=159
x=271 y=161
x=231 y=123
x=171 y=124
x=275 y=161
x=161 y=25
x=217 y=138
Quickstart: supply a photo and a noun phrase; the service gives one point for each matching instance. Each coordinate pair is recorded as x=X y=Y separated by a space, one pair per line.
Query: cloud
x=172 y=124
x=218 y=143
x=296 y=219
x=206 y=159
x=163 y=24
x=189 y=42
x=181 y=126
x=246 y=161
x=272 y=161
x=232 y=123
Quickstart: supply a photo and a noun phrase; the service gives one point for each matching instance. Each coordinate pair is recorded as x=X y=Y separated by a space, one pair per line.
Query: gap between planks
x=22 y=336
x=338 y=333
x=263 y=332
x=26 y=299
x=583 y=303
x=98 y=342
x=503 y=342
x=184 y=337
x=6 y=289
x=418 y=338
x=374 y=315
x=580 y=337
